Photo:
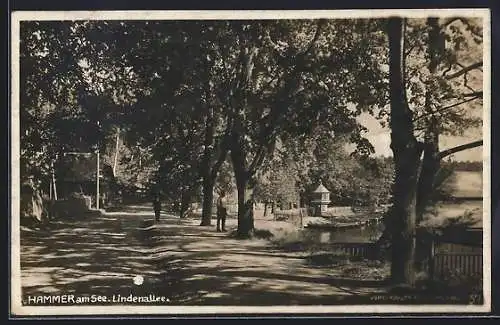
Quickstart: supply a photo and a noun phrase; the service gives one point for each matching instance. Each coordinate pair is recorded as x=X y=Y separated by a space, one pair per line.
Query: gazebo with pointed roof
x=321 y=199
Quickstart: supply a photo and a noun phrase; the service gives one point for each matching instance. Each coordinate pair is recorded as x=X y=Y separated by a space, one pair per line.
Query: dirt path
x=101 y=255
x=189 y=264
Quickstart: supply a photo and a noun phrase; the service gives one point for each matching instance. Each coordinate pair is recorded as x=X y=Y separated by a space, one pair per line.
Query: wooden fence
x=465 y=264
x=358 y=250
x=442 y=264
x=457 y=252
x=293 y=216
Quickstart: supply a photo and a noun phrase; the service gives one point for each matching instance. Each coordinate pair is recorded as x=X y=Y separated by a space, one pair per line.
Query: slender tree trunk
x=214 y=155
x=185 y=201
x=117 y=148
x=407 y=154
x=208 y=198
x=430 y=162
x=430 y=167
x=54 y=183
x=425 y=191
x=265 y=208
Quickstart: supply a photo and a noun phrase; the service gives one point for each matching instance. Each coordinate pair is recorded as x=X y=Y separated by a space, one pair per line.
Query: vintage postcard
x=250 y=162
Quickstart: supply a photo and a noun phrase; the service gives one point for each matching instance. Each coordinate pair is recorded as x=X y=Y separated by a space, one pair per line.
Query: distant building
x=77 y=174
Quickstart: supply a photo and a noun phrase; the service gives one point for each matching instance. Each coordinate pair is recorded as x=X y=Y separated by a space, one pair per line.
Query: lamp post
x=97 y=179
x=53 y=188
x=98 y=168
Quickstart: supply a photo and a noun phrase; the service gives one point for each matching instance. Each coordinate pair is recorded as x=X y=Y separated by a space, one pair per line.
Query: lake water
x=371 y=232
x=365 y=234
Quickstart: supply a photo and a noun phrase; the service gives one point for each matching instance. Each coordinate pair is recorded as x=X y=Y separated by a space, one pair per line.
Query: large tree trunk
x=403 y=219
x=407 y=153
x=245 y=187
x=245 y=207
x=208 y=198
x=208 y=183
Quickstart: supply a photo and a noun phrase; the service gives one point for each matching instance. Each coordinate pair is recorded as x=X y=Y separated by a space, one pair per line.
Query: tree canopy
x=183 y=100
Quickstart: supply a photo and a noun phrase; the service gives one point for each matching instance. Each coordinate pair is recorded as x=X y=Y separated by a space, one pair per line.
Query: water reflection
x=363 y=234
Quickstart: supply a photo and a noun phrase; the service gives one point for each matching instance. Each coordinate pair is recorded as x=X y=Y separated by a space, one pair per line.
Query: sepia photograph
x=222 y=162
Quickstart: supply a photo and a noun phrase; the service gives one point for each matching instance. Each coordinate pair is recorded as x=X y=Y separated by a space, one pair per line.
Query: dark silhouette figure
x=157 y=206
x=221 y=212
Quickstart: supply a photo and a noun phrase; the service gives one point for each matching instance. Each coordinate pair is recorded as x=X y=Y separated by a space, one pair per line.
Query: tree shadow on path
x=178 y=259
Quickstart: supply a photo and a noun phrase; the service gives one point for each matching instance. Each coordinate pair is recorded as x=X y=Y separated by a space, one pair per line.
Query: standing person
x=157 y=206
x=221 y=211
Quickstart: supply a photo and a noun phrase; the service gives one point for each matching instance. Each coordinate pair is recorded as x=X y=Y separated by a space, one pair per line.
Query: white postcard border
x=18 y=309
